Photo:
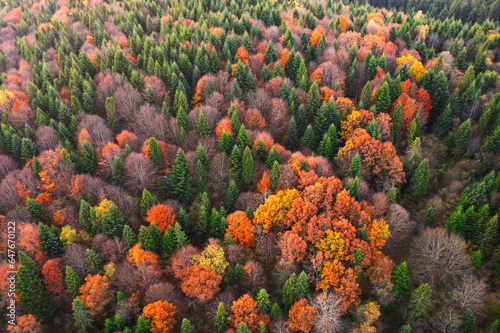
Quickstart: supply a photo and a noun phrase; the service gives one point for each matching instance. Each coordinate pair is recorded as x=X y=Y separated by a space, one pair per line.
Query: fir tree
x=202 y=126
x=275 y=175
x=203 y=223
x=443 y=123
x=151 y=96
x=28 y=149
x=313 y=99
x=420 y=302
x=180 y=178
x=142 y=325
x=89 y=158
x=292 y=139
x=308 y=140
x=129 y=237
x=231 y=196
x=382 y=99
x=469 y=321
x=400 y=281
x=32 y=294
x=397 y=124
x=247 y=166
x=86 y=215
x=243 y=138
x=372 y=129
x=226 y=143
x=49 y=239
x=218 y=224
x=187 y=327
x=243 y=328
x=182 y=119
x=272 y=157
x=118 y=172
x=35 y=209
x=113 y=225
x=276 y=312
x=72 y=282
x=169 y=242
x=180 y=237
x=84 y=322
x=185 y=221
x=221 y=322
x=419 y=180
x=270 y=55
x=235 y=161
x=147 y=201
x=263 y=301
x=154 y=153
x=93 y=259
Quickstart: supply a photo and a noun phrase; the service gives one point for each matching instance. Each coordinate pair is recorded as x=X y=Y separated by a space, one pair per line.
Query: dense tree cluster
x=250 y=166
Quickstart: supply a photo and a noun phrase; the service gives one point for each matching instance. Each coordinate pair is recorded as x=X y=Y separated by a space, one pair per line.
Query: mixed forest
x=250 y=166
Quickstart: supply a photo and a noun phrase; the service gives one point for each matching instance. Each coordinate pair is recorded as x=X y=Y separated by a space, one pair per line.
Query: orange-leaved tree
x=201 y=283
x=241 y=229
x=162 y=216
x=161 y=316
x=244 y=310
x=95 y=294
x=301 y=316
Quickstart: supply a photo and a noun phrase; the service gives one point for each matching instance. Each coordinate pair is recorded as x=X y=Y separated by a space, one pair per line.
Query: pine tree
x=187 y=327
x=469 y=321
x=203 y=223
x=292 y=139
x=275 y=175
x=420 y=180
x=243 y=328
x=182 y=119
x=397 y=124
x=263 y=301
x=93 y=259
x=308 y=140
x=154 y=153
x=226 y=143
x=84 y=322
x=142 y=325
x=89 y=158
x=231 y=196
x=270 y=55
x=129 y=237
x=400 y=281
x=420 y=302
x=180 y=177
x=118 y=172
x=382 y=99
x=147 y=201
x=247 y=166
x=272 y=157
x=202 y=126
x=49 y=239
x=169 y=242
x=35 y=209
x=221 y=322
x=235 y=161
x=313 y=99
x=460 y=138
x=276 y=312
x=72 y=282
x=32 y=294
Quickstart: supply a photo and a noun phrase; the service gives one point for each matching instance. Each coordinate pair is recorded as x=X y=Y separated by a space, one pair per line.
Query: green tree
x=382 y=98
x=263 y=302
x=276 y=312
x=313 y=99
x=469 y=320
x=231 y=196
x=154 y=153
x=93 y=259
x=292 y=138
x=270 y=55
x=308 y=140
x=112 y=225
x=457 y=142
x=118 y=172
x=129 y=237
x=420 y=302
x=28 y=149
x=274 y=177
x=202 y=126
x=187 y=327
x=243 y=328
x=89 y=158
x=49 y=239
x=247 y=166
x=147 y=201
x=84 y=322
x=400 y=281
x=419 y=180
x=221 y=322
x=272 y=157
x=30 y=289
x=72 y=282
x=203 y=223
x=180 y=179
x=35 y=209
x=142 y=325
x=355 y=166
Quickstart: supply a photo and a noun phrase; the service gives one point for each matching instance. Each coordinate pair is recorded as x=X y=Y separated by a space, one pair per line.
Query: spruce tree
x=218 y=224
x=308 y=140
x=35 y=209
x=147 y=201
x=272 y=157
x=154 y=153
x=49 y=239
x=275 y=175
x=276 y=312
x=420 y=302
x=243 y=328
x=231 y=196
x=118 y=172
x=270 y=55
x=113 y=225
x=28 y=149
x=32 y=294
x=187 y=327
x=180 y=237
x=84 y=322
x=185 y=221
x=382 y=99
x=235 y=161
x=400 y=281
x=469 y=321
x=169 y=243
x=247 y=166
x=226 y=143
x=86 y=215
x=89 y=158
x=142 y=325
x=243 y=138
x=182 y=119
x=397 y=124
x=292 y=139
x=261 y=151
x=129 y=237
x=203 y=223
x=72 y=282
x=221 y=322
x=180 y=178
x=355 y=166
x=458 y=141
x=202 y=126
x=263 y=301
x=372 y=129
x=313 y=99
x=443 y=123
x=420 y=180
x=94 y=260
x=111 y=116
